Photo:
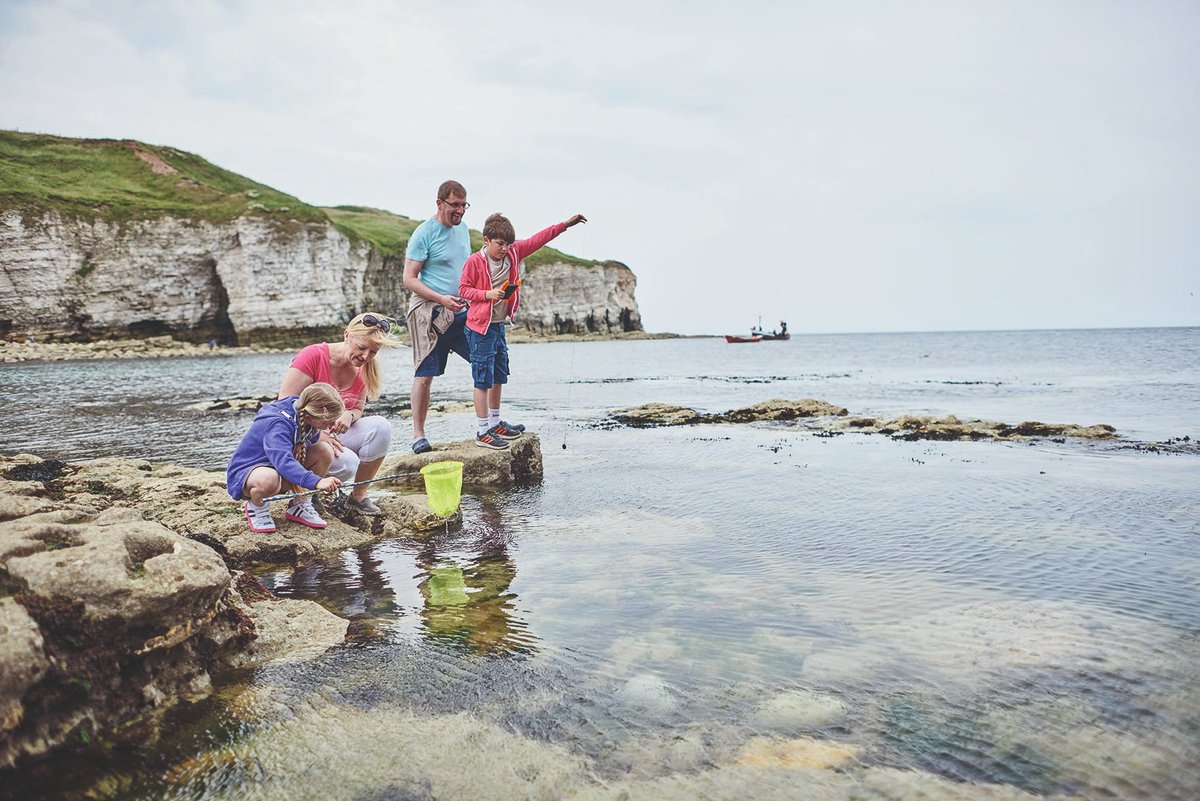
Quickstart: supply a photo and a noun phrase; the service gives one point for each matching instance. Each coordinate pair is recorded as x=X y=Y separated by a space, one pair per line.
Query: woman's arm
x=349 y=418
x=294 y=382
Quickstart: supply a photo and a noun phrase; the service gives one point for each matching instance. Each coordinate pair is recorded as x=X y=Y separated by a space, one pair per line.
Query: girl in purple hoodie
x=282 y=446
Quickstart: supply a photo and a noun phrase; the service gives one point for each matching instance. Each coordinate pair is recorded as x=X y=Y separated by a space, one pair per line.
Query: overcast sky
x=843 y=165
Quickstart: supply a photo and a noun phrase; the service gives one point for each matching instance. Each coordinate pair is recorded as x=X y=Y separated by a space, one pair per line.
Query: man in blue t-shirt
x=433 y=265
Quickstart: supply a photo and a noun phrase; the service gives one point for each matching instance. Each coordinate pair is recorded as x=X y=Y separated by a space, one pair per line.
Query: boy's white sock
x=256 y=506
x=493 y=416
x=482 y=425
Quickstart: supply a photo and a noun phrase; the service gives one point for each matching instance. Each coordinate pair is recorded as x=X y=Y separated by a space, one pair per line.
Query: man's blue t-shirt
x=444 y=251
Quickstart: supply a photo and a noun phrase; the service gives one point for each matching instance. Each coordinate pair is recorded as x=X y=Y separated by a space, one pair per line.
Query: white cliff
x=257 y=278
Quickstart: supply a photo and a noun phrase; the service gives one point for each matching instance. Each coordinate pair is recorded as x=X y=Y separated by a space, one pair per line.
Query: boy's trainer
x=488 y=439
x=506 y=431
x=304 y=513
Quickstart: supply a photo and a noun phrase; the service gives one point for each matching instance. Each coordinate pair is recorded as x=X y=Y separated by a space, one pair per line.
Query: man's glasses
x=382 y=323
x=458 y=204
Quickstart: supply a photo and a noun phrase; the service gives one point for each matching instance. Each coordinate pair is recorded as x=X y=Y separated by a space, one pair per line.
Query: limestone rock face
x=570 y=299
x=519 y=463
x=60 y=276
x=254 y=279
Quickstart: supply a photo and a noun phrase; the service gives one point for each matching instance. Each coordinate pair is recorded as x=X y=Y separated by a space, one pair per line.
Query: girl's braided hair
x=317 y=400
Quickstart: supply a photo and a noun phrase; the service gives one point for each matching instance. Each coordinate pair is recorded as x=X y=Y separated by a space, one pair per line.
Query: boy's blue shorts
x=452 y=340
x=489 y=356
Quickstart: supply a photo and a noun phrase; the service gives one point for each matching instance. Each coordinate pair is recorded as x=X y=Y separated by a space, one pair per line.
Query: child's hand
x=576 y=220
x=495 y=294
x=329 y=484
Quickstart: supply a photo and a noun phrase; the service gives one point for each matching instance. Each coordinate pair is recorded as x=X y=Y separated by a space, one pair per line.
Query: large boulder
x=108 y=618
x=118 y=565
x=519 y=463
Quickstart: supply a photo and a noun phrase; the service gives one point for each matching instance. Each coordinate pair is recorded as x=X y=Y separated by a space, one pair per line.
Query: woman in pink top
x=359 y=442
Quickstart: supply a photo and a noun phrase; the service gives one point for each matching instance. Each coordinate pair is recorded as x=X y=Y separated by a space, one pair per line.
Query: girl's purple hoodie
x=269 y=442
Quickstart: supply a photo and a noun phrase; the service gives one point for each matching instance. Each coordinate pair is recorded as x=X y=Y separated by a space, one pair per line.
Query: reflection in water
x=465 y=584
x=453 y=587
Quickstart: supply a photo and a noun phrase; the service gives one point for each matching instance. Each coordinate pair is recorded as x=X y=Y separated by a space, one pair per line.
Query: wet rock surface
x=107 y=621
x=826 y=419
x=151 y=348
x=661 y=414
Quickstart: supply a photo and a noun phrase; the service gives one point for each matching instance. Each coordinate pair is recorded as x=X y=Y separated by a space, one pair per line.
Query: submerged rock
x=649 y=415
x=799 y=709
x=802 y=752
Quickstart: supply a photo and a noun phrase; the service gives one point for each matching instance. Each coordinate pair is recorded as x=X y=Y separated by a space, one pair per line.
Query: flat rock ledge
x=118 y=597
x=151 y=348
x=823 y=417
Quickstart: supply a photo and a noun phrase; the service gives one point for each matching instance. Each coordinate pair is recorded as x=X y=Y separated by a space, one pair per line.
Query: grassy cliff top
x=121 y=179
x=389 y=233
x=115 y=179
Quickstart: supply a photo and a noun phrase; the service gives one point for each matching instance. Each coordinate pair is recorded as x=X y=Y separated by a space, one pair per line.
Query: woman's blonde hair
x=376 y=335
x=320 y=400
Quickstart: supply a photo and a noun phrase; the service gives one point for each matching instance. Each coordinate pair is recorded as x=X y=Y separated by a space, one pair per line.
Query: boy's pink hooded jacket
x=477 y=280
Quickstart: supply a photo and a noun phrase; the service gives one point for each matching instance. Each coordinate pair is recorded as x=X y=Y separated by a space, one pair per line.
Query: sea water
x=726 y=610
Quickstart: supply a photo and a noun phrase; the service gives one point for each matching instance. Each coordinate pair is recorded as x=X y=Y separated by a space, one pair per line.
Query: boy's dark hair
x=497 y=226
x=449 y=188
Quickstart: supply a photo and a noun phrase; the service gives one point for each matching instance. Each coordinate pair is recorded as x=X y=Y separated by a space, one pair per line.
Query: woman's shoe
x=365 y=506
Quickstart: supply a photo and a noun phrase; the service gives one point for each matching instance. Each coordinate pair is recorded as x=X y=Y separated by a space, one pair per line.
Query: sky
x=845 y=165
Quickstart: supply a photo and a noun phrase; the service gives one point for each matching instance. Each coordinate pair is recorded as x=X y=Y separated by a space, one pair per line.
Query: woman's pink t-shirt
x=313 y=361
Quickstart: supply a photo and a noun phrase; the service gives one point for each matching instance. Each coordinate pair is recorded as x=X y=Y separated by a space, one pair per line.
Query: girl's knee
x=320 y=456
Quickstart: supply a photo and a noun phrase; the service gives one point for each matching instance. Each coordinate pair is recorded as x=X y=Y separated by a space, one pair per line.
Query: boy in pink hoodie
x=491 y=281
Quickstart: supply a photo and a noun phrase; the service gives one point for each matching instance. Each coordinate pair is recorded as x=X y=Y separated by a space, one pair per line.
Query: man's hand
x=452 y=303
x=576 y=220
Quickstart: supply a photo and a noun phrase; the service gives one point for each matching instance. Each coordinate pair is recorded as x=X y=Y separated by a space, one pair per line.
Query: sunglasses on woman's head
x=382 y=323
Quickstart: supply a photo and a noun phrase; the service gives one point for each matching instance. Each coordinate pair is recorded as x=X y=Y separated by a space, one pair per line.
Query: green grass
x=106 y=179
x=389 y=233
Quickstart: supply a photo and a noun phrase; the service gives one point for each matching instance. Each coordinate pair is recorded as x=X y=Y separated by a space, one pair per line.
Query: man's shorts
x=489 y=356
x=452 y=340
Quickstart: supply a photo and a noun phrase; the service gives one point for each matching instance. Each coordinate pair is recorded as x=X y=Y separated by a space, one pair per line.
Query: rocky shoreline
x=822 y=418
x=123 y=588
x=168 y=347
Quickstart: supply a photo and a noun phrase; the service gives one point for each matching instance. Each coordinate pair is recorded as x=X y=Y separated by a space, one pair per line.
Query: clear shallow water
x=707 y=610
